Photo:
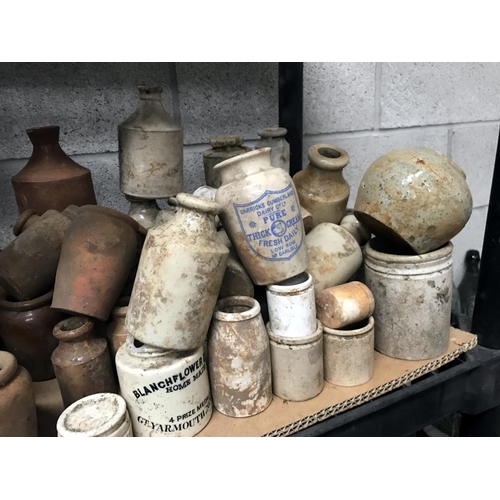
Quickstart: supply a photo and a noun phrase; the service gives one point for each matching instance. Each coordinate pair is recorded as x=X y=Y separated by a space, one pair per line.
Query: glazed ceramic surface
x=143 y=211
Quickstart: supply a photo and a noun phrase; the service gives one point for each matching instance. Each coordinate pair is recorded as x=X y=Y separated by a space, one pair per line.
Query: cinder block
x=87 y=100
x=226 y=98
x=364 y=149
x=474 y=149
x=194 y=175
x=338 y=97
x=432 y=93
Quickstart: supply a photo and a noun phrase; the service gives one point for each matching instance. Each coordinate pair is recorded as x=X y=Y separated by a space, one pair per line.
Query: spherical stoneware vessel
x=417 y=199
x=412 y=300
x=322 y=189
x=334 y=255
x=17 y=399
x=97 y=415
x=179 y=278
x=261 y=217
x=239 y=359
x=143 y=211
x=274 y=138
x=167 y=393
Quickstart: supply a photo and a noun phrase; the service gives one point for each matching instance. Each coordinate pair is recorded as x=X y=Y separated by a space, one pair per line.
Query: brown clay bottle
x=81 y=361
x=17 y=399
x=51 y=179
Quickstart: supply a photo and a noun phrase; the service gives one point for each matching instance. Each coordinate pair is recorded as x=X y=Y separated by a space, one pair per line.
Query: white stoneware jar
x=334 y=255
x=99 y=415
x=143 y=211
x=349 y=354
x=412 y=300
x=297 y=365
x=150 y=146
x=167 y=393
x=178 y=280
x=291 y=306
x=262 y=217
x=274 y=138
x=239 y=359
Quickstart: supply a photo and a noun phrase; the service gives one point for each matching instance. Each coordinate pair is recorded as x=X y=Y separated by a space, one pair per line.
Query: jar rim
x=351 y=333
x=441 y=252
x=297 y=283
x=236 y=301
x=26 y=305
x=280 y=339
x=245 y=156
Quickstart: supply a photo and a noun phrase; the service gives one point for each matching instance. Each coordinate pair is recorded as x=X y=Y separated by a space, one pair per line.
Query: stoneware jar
x=143 y=211
x=150 y=147
x=179 y=278
x=222 y=148
x=167 y=393
x=26 y=329
x=51 y=179
x=274 y=138
x=322 y=189
x=291 y=306
x=239 y=358
x=297 y=365
x=349 y=354
x=261 y=217
x=412 y=300
x=17 y=399
x=334 y=255
x=416 y=199
x=360 y=233
x=81 y=361
x=116 y=333
x=97 y=415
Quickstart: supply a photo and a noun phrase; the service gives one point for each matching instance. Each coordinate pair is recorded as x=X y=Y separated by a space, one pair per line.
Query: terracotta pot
x=98 y=253
x=17 y=400
x=28 y=265
x=262 y=217
x=239 y=359
x=116 y=333
x=321 y=186
x=274 y=138
x=416 y=199
x=223 y=147
x=26 y=330
x=81 y=361
x=143 y=211
x=150 y=146
x=51 y=179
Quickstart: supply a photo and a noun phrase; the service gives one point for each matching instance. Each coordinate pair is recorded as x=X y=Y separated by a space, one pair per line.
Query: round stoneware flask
x=274 y=138
x=262 y=217
x=167 y=393
x=98 y=415
x=291 y=306
x=179 y=278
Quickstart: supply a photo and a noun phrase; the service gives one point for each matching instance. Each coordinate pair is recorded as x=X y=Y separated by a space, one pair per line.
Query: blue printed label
x=272 y=224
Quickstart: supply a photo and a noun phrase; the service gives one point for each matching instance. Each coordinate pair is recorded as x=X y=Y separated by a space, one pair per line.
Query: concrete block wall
x=366 y=108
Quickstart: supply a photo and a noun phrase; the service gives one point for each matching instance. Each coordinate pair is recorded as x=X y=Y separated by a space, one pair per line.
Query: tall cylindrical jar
x=349 y=354
x=179 y=277
x=167 y=393
x=239 y=358
x=322 y=189
x=412 y=300
x=150 y=146
x=262 y=217
x=17 y=399
x=81 y=361
x=274 y=138
x=297 y=365
x=97 y=415
x=292 y=308
x=222 y=148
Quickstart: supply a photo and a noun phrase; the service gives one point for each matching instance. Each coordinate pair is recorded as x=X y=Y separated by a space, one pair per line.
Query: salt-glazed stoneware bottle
x=150 y=146
x=417 y=199
x=322 y=189
x=179 y=278
x=262 y=217
x=167 y=393
x=274 y=138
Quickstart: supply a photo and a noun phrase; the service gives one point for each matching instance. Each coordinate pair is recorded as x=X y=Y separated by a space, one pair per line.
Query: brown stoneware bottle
x=81 y=361
x=17 y=399
x=26 y=330
x=51 y=179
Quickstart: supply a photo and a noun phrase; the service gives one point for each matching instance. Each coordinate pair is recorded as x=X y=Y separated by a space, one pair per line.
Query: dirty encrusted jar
x=321 y=187
x=150 y=146
x=167 y=393
x=239 y=358
x=179 y=278
x=262 y=217
x=274 y=138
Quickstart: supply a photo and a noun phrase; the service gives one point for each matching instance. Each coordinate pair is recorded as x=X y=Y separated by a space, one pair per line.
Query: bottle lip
x=26 y=305
x=328 y=157
x=272 y=132
x=8 y=367
x=253 y=308
x=144 y=350
x=221 y=141
x=198 y=204
x=279 y=339
x=149 y=92
x=73 y=328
